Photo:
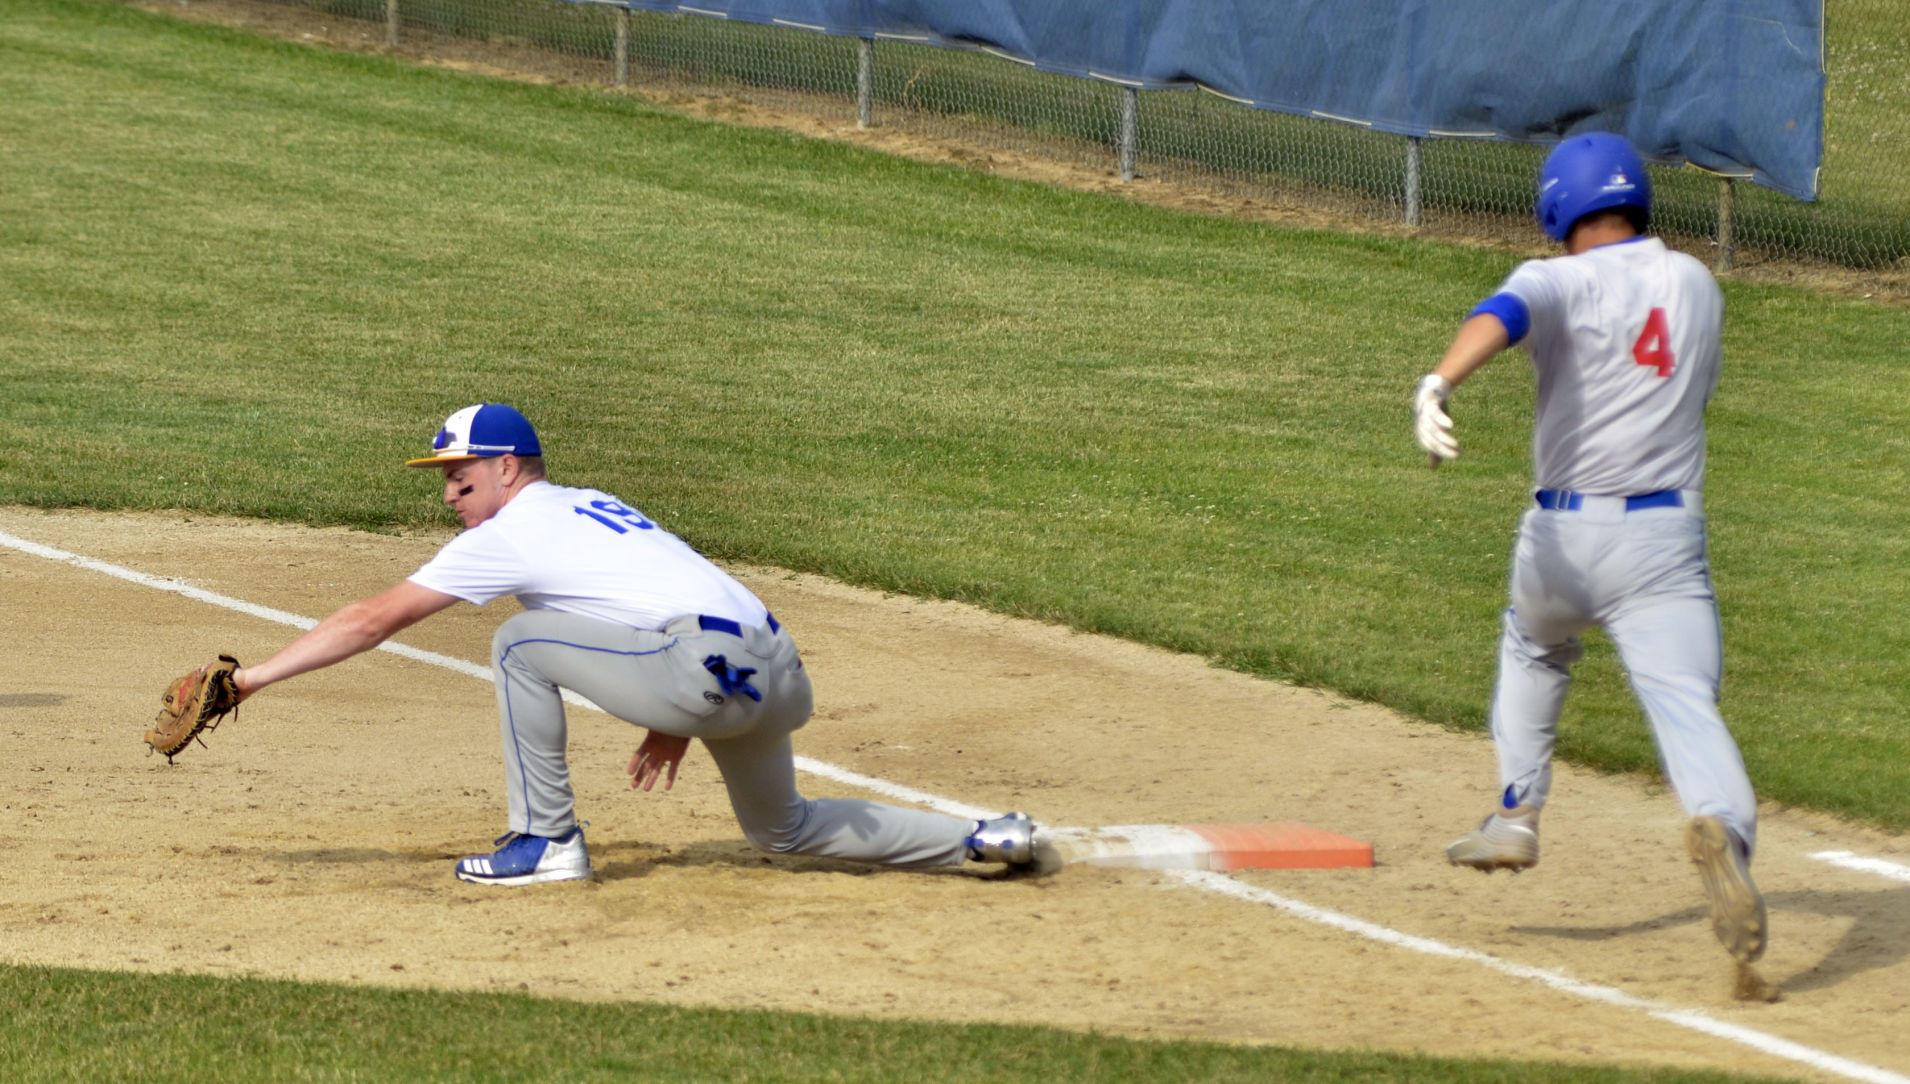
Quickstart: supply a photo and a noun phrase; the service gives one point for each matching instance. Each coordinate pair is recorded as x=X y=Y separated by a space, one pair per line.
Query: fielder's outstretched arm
x=358 y=627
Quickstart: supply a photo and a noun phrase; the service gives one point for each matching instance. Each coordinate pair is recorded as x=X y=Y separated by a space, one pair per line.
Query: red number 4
x=1653 y=347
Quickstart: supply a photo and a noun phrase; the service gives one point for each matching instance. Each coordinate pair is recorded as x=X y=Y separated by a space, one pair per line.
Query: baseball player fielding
x=625 y=614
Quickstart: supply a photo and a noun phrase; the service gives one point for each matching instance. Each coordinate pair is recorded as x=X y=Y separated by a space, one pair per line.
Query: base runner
x=1624 y=336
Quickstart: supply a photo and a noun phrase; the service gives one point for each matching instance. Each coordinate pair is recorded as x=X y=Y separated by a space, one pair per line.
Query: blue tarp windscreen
x=1733 y=86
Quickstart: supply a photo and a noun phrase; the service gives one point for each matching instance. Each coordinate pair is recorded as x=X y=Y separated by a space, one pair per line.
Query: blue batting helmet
x=1592 y=172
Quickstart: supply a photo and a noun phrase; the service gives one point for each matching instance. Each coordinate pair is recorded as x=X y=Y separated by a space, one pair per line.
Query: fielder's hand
x=658 y=753
x=1431 y=424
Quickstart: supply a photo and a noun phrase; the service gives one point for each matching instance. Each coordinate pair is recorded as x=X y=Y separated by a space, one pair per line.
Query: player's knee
x=510 y=632
x=773 y=840
x=780 y=836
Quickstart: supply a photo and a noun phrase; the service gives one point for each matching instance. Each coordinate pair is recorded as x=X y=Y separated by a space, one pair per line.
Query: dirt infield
x=313 y=839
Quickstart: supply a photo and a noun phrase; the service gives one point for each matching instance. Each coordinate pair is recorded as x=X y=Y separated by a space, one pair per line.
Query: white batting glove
x=1431 y=424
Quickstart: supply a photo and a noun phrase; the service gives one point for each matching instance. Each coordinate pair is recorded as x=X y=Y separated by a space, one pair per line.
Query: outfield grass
x=246 y=276
x=1862 y=219
x=81 y=1025
x=1867 y=112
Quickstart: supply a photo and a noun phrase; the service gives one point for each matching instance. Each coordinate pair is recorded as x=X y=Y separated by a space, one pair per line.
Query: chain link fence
x=1199 y=139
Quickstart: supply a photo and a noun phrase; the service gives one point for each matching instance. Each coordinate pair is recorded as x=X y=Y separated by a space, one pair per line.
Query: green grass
x=245 y=276
x=80 y=1025
x=1867 y=103
x=1861 y=220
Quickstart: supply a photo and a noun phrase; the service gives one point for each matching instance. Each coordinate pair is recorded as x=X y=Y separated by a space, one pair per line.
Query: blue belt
x=724 y=624
x=1564 y=500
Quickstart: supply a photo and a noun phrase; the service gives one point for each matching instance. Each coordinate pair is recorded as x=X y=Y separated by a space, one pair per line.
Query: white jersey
x=583 y=551
x=1625 y=339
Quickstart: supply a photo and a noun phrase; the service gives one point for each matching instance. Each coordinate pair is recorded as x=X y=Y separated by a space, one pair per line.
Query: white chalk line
x=179 y=587
x=1556 y=980
x=894 y=790
x=1211 y=882
x=1881 y=866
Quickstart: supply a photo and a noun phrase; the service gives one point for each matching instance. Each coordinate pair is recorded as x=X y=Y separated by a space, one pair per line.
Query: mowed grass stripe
x=246 y=276
x=80 y=1025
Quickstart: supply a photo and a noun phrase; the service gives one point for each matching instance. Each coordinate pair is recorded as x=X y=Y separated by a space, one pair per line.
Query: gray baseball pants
x=660 y=680
x=1644 y=577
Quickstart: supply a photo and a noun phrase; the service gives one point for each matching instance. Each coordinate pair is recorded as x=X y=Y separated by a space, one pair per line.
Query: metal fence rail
x=1192 y=137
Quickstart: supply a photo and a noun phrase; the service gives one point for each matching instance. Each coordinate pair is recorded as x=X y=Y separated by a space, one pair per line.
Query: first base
x=1217 y=847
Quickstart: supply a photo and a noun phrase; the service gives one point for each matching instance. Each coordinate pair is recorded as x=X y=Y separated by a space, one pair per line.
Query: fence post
x=623 y=47
x=865 y=82
x=1727 y=211
x=1413 y=171
x=391 y=22
x=1130 y=130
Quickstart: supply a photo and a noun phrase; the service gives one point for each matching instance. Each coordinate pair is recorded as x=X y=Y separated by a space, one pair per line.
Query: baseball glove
x=195 y=702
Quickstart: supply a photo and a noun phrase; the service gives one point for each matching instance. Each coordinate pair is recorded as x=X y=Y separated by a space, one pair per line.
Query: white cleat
x=1507 y=839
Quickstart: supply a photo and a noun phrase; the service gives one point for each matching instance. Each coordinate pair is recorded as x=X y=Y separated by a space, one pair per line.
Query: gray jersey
x=1625 y=340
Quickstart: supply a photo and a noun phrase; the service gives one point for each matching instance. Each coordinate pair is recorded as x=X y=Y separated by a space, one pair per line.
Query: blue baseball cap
x=481 y=432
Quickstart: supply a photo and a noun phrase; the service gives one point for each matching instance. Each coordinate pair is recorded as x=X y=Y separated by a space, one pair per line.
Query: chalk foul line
x=1556 y=980
x=1896 y=871
x=1218 y=883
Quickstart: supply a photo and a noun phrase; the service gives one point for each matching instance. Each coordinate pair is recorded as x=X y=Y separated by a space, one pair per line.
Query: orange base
x=1215 y=847
x=1280 y=846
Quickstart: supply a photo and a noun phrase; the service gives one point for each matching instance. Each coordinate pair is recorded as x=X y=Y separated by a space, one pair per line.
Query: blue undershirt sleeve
x=1511 y=312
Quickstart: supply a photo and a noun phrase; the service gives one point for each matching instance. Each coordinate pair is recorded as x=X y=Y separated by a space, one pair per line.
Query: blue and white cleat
x=1008 y=838
x=529 y=860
